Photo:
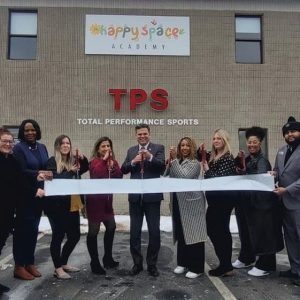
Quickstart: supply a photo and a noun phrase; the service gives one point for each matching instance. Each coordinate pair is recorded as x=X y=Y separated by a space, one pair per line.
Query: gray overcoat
x=192 y=205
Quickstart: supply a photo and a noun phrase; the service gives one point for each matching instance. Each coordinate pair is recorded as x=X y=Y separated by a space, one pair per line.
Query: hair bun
x=291 y=119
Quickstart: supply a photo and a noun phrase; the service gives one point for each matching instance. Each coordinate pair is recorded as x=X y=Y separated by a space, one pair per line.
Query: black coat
x=260 y=212
x=12 y=189
x=55 y=203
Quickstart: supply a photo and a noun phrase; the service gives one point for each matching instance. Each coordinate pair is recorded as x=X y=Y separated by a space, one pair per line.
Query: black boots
x=92 y=246
x=96 y=267
x=109 y=262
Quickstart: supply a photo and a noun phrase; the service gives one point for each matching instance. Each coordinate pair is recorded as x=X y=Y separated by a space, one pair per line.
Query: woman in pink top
x=99 y=207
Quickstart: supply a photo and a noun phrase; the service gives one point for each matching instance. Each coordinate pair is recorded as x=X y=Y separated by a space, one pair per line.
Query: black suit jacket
x=152 y=169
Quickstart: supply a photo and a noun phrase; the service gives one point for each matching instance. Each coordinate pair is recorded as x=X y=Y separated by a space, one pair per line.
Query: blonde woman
x=220 y=203
x=63 y=218
x=188 y=211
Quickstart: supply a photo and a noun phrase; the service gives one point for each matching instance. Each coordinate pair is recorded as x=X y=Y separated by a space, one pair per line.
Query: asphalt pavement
x=118 y=284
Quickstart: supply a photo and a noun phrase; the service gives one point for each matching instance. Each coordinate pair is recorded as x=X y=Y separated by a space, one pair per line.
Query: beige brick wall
x=64 y=84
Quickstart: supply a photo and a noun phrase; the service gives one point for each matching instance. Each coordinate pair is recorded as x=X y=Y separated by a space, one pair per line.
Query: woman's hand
x=40 y=193
x=44 y=175
x=204 y=165
x=75 y=168
x=108 y=158
x=172 y=152
x=172 y=155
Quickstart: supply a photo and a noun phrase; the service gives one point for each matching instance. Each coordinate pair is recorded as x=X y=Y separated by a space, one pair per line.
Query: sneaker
x=192 y=275
x=240 y=265
x=257 y=272
x=179 y=270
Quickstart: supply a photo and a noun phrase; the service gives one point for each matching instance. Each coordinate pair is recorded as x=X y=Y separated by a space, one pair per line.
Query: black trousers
x=189 y=256
x=63 y=223
x=266 y=262
x=26 y=233
x=6 y=224
x=220 y=206
x=151 y=210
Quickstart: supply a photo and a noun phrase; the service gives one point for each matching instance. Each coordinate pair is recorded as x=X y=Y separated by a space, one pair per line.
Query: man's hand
x=280 y=191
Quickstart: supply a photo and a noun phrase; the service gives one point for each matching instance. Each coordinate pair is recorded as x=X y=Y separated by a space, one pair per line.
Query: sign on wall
x=137 y=35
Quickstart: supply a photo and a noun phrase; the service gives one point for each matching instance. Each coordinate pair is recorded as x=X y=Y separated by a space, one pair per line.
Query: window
x=243 y=146
x=22 y=35
x=248 y=40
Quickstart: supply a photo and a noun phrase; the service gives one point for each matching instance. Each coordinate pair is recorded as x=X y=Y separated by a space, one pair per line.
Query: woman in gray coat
x=188 y=211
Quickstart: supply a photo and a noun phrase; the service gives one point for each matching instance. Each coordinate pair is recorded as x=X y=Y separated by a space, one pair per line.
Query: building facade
x=242 y=68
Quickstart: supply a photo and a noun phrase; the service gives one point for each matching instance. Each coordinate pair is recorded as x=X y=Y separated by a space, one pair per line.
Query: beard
x=293 y=143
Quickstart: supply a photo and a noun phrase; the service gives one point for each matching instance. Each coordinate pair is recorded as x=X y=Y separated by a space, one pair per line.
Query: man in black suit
x=143 y=161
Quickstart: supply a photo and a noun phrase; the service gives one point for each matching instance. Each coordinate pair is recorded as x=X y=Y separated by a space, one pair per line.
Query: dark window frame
x=249 y=40
x=10 y=35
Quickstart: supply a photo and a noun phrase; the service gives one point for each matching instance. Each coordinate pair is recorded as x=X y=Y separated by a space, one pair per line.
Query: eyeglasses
x=6 y=142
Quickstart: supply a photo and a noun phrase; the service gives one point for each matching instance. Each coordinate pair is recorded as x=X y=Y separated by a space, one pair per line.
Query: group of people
x=195 y=215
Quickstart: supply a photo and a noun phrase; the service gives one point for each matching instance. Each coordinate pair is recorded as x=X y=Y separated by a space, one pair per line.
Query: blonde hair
x=62 y=164
x=223 y=134
x=191 y=143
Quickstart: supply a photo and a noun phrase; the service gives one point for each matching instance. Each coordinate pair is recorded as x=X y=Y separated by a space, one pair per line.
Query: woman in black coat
x=258 y=215
x=220 y=203
x=62 y=212
x=12 y=189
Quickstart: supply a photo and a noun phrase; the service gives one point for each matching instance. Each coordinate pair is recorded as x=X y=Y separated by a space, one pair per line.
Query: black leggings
x=63 y=224
x=110 y=228
x=220 y=206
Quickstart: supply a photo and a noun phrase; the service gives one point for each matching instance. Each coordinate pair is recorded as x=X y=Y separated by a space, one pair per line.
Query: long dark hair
x=191 y=143
x=95 y=153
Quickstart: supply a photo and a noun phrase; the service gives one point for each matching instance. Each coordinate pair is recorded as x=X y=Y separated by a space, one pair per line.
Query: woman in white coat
x=188 y=211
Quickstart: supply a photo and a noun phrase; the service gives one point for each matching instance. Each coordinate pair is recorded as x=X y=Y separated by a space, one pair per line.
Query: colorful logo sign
x=137 y=35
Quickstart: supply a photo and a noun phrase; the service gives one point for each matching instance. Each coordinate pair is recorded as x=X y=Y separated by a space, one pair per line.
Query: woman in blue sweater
x=32 y=157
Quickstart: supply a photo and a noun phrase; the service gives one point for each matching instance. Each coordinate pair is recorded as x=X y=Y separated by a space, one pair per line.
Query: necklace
x=33 y=147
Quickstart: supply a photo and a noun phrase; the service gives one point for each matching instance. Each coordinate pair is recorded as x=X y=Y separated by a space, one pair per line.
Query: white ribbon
x=259 y=182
